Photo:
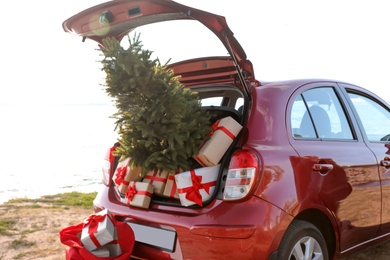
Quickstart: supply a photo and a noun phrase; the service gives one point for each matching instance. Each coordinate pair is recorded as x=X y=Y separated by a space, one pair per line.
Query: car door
x=342 y=168
x=373 y=117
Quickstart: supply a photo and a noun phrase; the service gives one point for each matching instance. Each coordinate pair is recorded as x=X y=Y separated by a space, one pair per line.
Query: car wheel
x=303 y=240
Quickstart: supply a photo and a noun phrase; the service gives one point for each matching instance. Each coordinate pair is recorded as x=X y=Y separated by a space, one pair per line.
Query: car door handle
x=322 y=168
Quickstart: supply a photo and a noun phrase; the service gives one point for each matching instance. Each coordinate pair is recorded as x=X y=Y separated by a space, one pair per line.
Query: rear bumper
x=245 y=230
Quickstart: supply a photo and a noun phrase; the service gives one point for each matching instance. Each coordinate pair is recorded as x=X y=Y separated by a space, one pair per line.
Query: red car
x=312 y=158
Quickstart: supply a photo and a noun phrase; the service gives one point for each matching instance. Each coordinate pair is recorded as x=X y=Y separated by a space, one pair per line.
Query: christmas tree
x=159 y=121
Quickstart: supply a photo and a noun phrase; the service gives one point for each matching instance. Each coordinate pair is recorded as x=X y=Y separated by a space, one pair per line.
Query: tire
x=302 y=241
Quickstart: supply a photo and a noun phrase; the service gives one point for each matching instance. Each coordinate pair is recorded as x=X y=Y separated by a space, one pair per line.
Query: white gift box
x=98 y=230
x=191 y=193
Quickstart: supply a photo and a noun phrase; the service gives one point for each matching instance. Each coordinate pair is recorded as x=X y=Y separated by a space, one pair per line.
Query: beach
x=29 y=229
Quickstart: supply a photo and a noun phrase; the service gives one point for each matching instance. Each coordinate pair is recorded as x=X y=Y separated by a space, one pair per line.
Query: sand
x=35 y=234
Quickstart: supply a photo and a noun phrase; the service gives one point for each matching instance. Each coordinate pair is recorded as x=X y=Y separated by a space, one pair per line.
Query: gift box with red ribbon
x=124 y=173
x=98 y=230
x=196 y=186
x=158 y=179
x=138 y=194
x=70 y=236
x=170 y=189
x=224 y=131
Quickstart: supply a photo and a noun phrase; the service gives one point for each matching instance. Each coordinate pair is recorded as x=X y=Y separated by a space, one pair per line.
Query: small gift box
x=158 y=179
x=138 y=194
x=196 y=186
x=98 y=230
x=170 y=189
x=124 y=173
x=224 y=131
x=70 y=236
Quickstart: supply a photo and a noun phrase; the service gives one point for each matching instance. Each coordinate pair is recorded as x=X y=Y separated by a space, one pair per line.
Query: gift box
x=98 y=230
x=158 y=179
x=138 y=194
x=124 y=173
x=224 y=131
x=114 y=247
x=170 y=189
x=196 y=186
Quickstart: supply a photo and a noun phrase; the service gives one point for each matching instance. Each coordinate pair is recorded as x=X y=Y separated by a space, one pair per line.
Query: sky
x=342 y=40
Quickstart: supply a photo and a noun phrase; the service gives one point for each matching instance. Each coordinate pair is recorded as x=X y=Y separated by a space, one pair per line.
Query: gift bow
x=131 y=191
x=216 y=127
x=193 y=192
x=120 y=176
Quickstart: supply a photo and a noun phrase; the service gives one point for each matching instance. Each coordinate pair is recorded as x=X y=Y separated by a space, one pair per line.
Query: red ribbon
x=132 y=191
x=174 y=187
x=93 y=222
x=200 y=160
x=154 y=177
x=120 y=176
x=215 y=127
x=193 y=192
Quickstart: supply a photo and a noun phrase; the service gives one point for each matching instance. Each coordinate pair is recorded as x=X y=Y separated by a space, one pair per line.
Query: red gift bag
x=70 y=236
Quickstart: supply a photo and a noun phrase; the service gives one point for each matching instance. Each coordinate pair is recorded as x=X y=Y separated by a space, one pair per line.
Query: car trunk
x=226 y=78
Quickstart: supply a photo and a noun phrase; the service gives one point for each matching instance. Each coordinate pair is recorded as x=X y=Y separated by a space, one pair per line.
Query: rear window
x=217 y=101
x=213 y=101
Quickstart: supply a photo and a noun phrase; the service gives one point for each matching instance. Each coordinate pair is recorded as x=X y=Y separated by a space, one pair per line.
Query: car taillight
x=108 y=163
x=241 y=175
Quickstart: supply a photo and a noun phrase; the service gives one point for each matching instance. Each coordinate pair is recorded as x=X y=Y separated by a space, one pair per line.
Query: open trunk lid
x=120 y=17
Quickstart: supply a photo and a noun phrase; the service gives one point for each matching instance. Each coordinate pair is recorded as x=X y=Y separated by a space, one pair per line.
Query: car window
x=239 y=103
x=374 y=117
x=318 y=114
x=218 y=101
x=212 y=101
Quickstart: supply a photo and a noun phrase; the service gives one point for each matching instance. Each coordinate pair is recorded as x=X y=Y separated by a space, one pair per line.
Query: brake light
x=108 y=162
x=241 y=175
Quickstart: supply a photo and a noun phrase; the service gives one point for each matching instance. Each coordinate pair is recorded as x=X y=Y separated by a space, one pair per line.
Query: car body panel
x=221 y=229
x=381 y=152
x=354 y=176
